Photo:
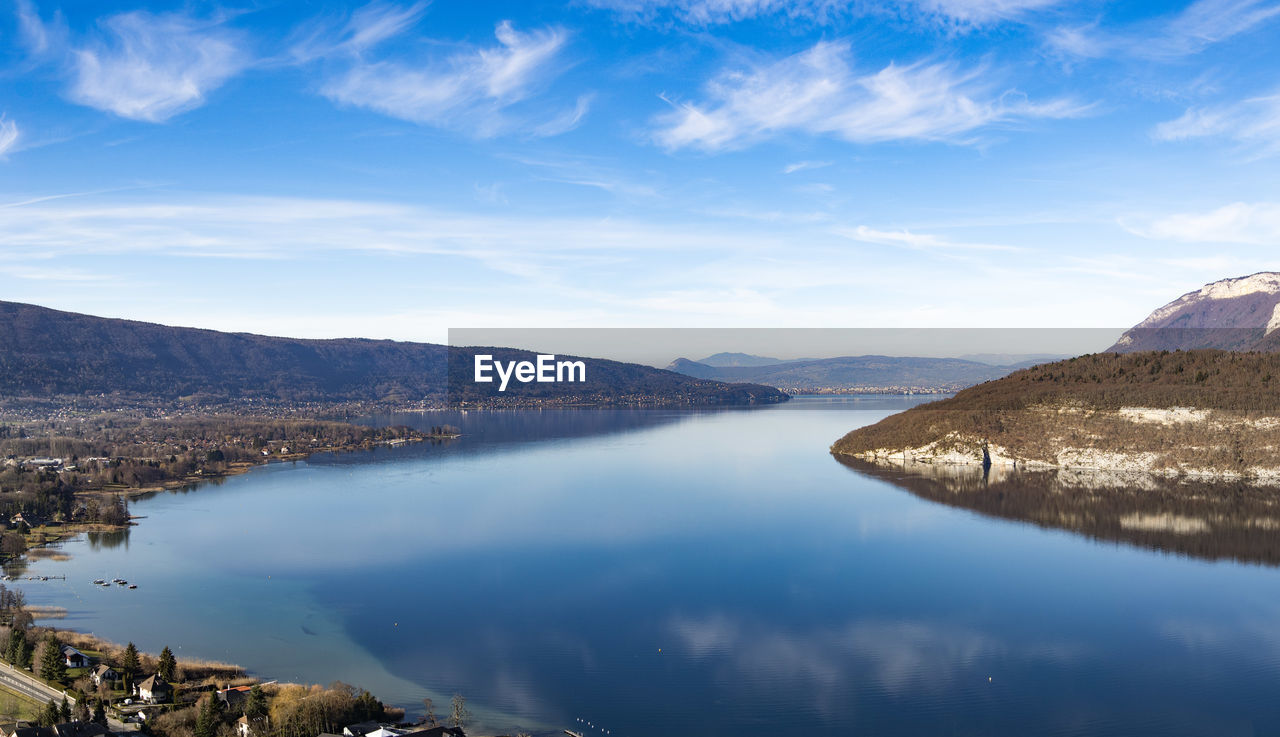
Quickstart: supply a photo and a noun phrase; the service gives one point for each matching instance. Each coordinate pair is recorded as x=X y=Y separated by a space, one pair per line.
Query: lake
x=658 y=572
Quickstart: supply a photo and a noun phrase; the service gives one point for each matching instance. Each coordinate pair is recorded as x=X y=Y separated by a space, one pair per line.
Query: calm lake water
x=660 y=572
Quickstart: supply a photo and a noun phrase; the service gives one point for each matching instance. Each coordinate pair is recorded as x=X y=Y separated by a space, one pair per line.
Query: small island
x=1200 y=413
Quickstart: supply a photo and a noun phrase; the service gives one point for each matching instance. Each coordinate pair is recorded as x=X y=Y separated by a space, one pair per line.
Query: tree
x=210 y=717
x=458 y=715
x=14 y=645
x=52 y=666
x=80 y=712
x=13 y=543
x=129 y=664
x=48 y=715
x=64 y=710
x=368 y=708
x=256 y=707
x=429 y=718
x=166 y=665
x=99 y=713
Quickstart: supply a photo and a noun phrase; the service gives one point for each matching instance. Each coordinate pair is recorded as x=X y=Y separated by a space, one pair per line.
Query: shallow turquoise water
x=703 y=572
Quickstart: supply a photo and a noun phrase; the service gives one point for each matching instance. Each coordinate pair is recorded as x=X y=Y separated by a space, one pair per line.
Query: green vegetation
x=15 y=706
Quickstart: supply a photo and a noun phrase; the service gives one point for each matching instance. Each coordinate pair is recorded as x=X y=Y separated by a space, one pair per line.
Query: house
x=74 y=658
x=386 y=732
x=66 y=729
x=235 y=697
x=23 y=729
x=80 y=729
x=104 y=674
x=438 y=732
x=361 y=729
x=154 y=690
x=30 y=520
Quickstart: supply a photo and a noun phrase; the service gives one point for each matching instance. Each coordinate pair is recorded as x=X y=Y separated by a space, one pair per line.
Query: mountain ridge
x=1236 y=314
x=46 y=352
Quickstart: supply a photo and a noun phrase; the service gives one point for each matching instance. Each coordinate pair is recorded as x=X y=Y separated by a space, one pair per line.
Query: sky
x=396 y=170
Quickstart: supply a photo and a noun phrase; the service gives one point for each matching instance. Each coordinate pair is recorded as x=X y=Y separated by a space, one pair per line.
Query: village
x=67 y=684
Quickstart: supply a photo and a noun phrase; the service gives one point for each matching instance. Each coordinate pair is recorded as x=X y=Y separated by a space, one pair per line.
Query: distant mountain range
x=874 y=373
x=1240 y=314
x=46 y=353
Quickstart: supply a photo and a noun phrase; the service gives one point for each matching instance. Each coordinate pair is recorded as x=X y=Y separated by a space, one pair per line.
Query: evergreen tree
x=81 y=711
x=368 y=708
x=256 y=707
x=64 y=711
x=129 y=665
x=14 y=646
x=166 y=665
x=99 y=713
x=52 y=666
x=207 y=720
x=48 y=715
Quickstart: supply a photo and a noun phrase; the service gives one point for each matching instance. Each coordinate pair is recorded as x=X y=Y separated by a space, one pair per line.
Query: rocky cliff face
x=1238 y=314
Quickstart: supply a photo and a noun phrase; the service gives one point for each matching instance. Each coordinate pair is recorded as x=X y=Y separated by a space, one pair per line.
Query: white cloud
x=1252 y=223
x=151 y=67
x=979 y=12
x=1198 y=26
x=468 y=90
x=35 y=35
x=1253 y=123
x=817 y=92
x=8 y=135
x=804 y=165
x=712 y=12
x=918 y=241
x=367 y=27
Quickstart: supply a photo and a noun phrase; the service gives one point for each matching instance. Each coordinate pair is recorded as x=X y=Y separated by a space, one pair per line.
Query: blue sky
x=395 y=170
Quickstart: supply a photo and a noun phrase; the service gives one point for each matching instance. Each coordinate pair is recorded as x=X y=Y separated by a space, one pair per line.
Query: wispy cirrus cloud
x=140 y=65
x=794 y=167
x=366 y=28
x=1200 y=25
x=715 y=12
x=916 y=241
x=35 y=35
x=1247 y=223
x=1253 y=123
x=8 y=135
x=473 y=88
x=818 y=92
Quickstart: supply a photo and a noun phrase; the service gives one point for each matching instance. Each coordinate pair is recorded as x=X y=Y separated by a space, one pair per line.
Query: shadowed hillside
x=46 y=352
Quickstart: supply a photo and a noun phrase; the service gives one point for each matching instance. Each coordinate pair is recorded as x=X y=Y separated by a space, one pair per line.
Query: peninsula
x=1201 y=413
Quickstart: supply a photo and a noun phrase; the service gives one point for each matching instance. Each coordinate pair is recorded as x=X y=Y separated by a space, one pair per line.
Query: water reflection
x=1212 y=520
x=108 y=539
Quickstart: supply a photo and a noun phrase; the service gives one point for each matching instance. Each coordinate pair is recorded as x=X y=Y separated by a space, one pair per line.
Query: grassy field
x=14 y=705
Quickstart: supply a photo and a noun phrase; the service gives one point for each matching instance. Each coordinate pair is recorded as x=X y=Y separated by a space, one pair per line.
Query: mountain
x=852 y=372
x=45 y=352
x=738 y=359
x=1206 y=413
x=1238 y=314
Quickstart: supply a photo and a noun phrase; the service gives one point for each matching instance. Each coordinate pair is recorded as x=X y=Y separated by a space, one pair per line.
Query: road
x=25 y=684
x=16 y=680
